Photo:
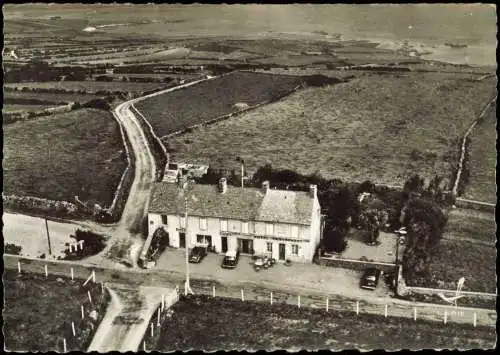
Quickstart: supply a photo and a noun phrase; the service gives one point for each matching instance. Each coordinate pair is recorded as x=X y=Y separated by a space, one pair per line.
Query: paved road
x=231 y=286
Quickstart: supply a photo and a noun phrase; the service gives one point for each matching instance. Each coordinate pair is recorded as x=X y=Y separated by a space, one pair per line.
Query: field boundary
x=463 y=149
x=475 y=205
x=232 y=114
x=160 y=161
x=435 y=290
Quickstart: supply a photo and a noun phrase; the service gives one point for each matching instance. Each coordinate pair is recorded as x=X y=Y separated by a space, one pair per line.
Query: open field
x=89 y=86
x=377 y=127
x=208 y=324
x=467 y=250
x=58 y=157
x=482 y=160
x=49 y=98
x=210 y=99
x=456 y=259
x=38 y=312
x=471 y=224
x=10 y=108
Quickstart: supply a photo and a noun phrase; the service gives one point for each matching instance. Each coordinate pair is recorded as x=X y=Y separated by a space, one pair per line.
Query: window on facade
x=269 y=229
x=203 y=224
x=164 y=219
x=223 y=225
x=295 y=249
x=269 y=247
x=244 y=227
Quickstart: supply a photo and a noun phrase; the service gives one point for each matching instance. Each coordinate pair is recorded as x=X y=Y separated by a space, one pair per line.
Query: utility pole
x=48 y=235
x=242 y=174
x=187 y=287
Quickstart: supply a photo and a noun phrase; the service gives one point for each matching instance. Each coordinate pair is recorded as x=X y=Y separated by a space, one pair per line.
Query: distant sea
x=426 y=27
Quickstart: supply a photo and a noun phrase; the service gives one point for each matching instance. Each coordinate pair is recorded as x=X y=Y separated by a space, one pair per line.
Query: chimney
x=265 y=186
x=313 y=189
x=222 y=185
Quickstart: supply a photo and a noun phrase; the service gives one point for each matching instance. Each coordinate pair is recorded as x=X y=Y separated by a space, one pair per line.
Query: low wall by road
x=356 y=264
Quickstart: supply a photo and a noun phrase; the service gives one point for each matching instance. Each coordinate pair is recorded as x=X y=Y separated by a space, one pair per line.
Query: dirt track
x=127 y=317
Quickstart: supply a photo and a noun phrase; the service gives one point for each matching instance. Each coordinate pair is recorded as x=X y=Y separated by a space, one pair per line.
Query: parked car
x=370 y=278
x=231 y=259
x=197 y=254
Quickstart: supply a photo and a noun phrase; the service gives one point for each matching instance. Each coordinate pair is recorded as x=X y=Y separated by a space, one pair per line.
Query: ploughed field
x=381 y=127
x=204 y=323
x=207 y=100
x=38 y=312
x=482 y=160
x=78 y=153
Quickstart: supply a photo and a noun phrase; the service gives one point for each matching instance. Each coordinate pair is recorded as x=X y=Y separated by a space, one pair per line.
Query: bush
x=93 y=244
x=12 y=249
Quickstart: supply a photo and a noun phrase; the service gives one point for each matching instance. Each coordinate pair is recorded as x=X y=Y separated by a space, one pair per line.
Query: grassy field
x=377 y=127
x=24 y=97
x=10 y=108
x=89 y=86
x=203 y=323
x=467 y=250
x=38 y=312
x=207 y=100
x=482 y=160
x=456 y=259
x=79 y=153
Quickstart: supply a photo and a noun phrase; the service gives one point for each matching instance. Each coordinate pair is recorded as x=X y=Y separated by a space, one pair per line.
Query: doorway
x=182 y=240
x=245 y=245
x=282 y=251
x=224 y=244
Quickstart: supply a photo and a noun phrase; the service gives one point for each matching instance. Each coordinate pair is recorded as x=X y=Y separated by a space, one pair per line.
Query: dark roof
x=247 y=204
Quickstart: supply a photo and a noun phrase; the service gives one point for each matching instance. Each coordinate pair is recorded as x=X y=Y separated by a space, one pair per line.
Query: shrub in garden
x=93 y=243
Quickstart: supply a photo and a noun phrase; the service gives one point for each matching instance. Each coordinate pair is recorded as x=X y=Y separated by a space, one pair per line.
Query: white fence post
x=271 y=297
x=93 y=276
x=90 y=298
x=159 y=313
x=327 y=304
x=65 y=349
x=144 y=345
x=72 y=274
x=152 y=329
x=19 y=266
x=357 y=307
x=475 y=319
x=213 y=291
x=415 y=313
x=46 y=271
x=242 y=295
x=445 y=317
x=73 y=328
x=162 y=302
x=385 y=311
x=83 y=313
x=298 y=301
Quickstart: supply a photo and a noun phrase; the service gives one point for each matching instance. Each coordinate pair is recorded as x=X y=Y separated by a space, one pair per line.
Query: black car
x=197 y=254
x=231 y=259
x=370 y=278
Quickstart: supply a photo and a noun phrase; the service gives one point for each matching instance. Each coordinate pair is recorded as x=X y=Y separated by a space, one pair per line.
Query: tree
x=425 y=223
x=334 y=239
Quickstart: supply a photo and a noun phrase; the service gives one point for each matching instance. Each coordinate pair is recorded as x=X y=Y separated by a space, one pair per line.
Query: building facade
x=284 y=224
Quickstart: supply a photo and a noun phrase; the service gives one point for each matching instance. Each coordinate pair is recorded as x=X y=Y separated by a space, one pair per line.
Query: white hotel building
x=285 y=224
